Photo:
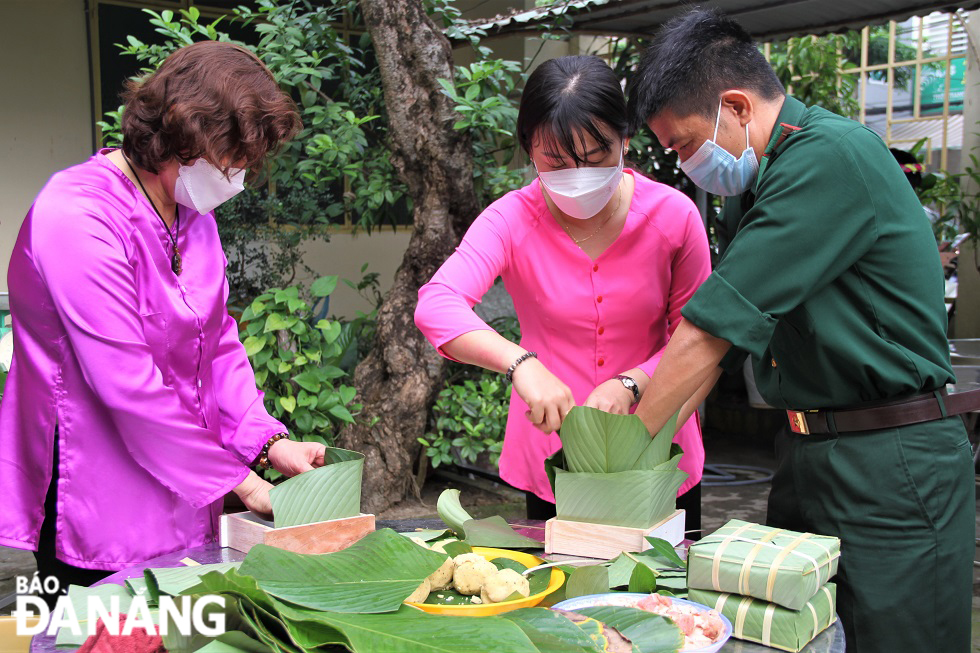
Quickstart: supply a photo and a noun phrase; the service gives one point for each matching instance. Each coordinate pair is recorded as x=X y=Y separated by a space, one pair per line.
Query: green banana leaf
x=427 y=534
x=138 y=587
x=495 y=532
x=550 y=631
x=375 y=574
x=491 y=531
x=258 y=610
x=598 y=442
x=591 y=579
x=234 y=642
x=78 y=595
x=409 y=630
x=329 y=492
x=177 y=642
x=451 y=511
x=636 y=499
x=649 y=632
x=176 y=580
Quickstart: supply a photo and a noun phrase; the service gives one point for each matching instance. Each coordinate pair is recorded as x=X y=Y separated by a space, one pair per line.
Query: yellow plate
x=481 y=610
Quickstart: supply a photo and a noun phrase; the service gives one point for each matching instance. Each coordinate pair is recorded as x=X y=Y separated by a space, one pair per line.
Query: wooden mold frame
x=591 y=540
x=243 y=530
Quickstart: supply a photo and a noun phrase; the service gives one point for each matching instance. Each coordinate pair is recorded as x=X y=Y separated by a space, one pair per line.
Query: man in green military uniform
x=830 y=280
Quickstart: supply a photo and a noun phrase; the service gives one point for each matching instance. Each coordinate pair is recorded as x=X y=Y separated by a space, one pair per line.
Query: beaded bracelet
x=524 y=357
x=263 y=460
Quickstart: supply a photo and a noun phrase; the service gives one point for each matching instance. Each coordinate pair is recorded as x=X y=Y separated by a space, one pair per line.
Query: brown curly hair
x=211 y=99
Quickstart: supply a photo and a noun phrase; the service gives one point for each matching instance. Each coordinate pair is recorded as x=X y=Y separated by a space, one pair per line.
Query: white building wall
x=45 y=111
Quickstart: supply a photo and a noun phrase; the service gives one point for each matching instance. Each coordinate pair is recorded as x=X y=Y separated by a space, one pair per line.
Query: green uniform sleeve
x=813 y=218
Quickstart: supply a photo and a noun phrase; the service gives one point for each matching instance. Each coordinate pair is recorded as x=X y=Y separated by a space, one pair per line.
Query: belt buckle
x=797 y=422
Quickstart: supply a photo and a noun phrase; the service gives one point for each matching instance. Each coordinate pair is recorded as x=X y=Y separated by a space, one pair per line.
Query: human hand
x=547 y=398
x=254 y=493
x=291 y=458
x=612 y=397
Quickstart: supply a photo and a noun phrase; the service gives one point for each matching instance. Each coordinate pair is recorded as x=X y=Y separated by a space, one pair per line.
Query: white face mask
x=717 y=171
x=202 y=186
x=582 y=192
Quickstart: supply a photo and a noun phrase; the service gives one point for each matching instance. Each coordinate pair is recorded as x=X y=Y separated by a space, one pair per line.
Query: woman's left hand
x=292 y=458
x=611 y=397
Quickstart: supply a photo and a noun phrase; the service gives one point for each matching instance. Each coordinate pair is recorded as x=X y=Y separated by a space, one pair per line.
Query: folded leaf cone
x=605 y=458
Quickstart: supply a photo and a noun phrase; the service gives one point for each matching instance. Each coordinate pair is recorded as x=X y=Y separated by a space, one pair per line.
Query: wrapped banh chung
x=771 y=564
x=770 y=624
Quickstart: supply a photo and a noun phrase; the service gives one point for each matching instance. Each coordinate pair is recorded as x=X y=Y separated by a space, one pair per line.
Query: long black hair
x=568 y=96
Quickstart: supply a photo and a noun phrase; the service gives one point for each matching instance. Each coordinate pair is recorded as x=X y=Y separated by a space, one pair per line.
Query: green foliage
x=261 y=235
x=878 y=54
x=954 y=211
x=471 y=417
x=297 y=364
x=484 y=93
x=340 y=145
x=809 y=67
x=958 y=208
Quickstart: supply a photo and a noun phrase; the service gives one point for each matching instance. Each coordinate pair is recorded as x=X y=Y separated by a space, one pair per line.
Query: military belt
x=871 y=417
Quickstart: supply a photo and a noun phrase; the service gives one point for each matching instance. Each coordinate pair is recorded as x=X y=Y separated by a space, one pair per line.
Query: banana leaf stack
x=278 y=601
x=771 y=583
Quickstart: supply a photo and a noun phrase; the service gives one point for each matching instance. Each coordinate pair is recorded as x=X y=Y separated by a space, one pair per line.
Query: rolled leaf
x=451 y=511
x=329 y=492
x=490 y=531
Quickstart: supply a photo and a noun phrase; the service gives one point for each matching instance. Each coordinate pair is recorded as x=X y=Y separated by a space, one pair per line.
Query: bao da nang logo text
x=204 y=615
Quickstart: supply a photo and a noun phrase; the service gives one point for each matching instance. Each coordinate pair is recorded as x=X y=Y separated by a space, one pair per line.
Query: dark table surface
x=829 y=641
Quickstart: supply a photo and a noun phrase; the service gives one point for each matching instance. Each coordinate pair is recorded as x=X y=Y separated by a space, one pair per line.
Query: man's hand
x=612 y=397
x=254 y=493
x=292 y=458
x=547 y=398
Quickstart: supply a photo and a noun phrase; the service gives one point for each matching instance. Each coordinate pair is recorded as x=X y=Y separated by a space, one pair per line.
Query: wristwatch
x=630 y=385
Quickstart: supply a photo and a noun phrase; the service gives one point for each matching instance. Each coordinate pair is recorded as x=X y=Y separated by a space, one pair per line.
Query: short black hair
x=694 y=58
x=567 y=96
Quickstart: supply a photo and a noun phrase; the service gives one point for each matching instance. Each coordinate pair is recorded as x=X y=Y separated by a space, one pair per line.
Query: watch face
x=630 y=385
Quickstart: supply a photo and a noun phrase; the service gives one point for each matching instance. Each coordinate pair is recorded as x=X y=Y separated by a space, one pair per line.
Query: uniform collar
x=787 y=122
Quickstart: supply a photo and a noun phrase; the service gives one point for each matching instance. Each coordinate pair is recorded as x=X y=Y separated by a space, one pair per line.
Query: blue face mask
x=717 y=171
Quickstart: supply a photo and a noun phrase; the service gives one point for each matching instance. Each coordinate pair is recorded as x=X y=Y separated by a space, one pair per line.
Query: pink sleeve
x=690 y=266
x=445 y=308
x=84 y=263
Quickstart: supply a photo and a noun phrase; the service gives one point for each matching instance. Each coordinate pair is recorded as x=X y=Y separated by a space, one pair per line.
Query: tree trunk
x=398 y=380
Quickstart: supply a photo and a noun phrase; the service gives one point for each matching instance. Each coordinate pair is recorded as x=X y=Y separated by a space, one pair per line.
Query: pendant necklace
x=579 y=241
x=175 y=263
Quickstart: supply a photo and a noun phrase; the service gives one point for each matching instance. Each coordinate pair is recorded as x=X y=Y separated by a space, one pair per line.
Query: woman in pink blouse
x=598 y=260
x=131 y=409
